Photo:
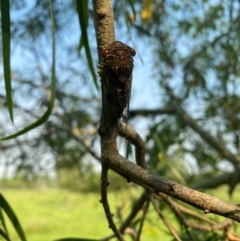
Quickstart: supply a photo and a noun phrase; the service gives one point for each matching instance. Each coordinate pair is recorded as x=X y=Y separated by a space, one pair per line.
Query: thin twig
x=178 y=209
x=77 y=134
x=195 y=215
x=178 y=213
x=145 y=209
x=134 y=211
x=134 y=138
x=167 y=223
x=104 y=201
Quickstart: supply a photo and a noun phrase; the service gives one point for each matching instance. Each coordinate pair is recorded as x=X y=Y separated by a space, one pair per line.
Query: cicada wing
x=125 y=119
x=117 y=68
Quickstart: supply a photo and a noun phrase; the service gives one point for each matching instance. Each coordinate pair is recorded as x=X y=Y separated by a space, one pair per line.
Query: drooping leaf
x=126 y=17
x=4 y=235
x=142 y=31
x=131 y=2
x=6 y=46
x=2 y=221
x=82 y=9
x=80 y=45
x=46 y=115
x=12 y=217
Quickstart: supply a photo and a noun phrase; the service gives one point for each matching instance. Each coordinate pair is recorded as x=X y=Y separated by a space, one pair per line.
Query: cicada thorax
x=117 y=67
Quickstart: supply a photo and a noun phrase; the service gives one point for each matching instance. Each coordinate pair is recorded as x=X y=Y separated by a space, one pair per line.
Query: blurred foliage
x=200 y=235
x=191 y=45
x=75 y=180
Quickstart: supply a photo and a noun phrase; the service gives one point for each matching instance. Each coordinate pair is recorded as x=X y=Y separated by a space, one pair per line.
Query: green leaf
x=131 y=2
x=6 y=36
x=80 y=45
x=13 y=218
x=125 y=14
x=3 y=222
x=4 y=235
x=46 y=115
x=142 y=31
x=82 y=9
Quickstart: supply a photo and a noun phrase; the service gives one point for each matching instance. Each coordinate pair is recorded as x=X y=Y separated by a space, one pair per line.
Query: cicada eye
x=104 y=53
x=132 y=52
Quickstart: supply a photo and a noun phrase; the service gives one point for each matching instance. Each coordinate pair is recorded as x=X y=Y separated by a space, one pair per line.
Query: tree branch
x=213 y=182
x=177 y=212
x=135 y=139
x=204 y=202
x=212 y=141
x=104 y=27
x=145 y=112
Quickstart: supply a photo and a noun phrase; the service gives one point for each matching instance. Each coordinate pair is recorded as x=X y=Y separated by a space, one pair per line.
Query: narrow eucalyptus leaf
x=12 y=217
x=82 y=9
x=2 y=221
x=6 y=37
x=46 y=115
x=4 y=235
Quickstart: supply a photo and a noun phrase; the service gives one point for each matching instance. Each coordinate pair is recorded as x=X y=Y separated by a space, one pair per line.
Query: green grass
x=48 y=214
x=51 y=214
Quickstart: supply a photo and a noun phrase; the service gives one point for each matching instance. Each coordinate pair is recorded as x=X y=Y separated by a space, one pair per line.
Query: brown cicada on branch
x=116 y=70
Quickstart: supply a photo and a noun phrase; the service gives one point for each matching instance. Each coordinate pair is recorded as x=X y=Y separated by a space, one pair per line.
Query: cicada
x=117 y=66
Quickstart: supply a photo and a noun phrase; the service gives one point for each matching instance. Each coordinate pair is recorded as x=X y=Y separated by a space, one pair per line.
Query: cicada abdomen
x=117 y=68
